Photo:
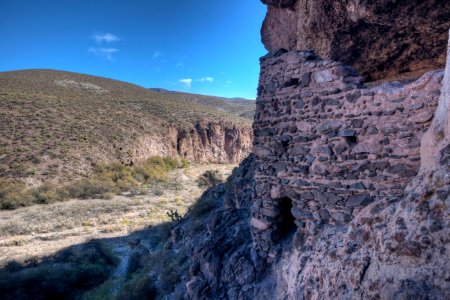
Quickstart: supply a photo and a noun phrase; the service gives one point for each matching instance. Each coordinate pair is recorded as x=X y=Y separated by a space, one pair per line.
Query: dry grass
x=150 y=175
x=44 y=229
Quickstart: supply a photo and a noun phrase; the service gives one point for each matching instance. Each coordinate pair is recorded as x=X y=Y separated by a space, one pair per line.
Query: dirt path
x=41 y=230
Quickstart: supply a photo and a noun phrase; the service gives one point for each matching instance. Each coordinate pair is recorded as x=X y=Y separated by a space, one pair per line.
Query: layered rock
x=205 y=142
x=382 y=39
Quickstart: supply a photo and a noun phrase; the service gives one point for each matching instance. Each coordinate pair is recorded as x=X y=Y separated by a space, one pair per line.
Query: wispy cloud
x=205 y=79
x=103 y=50
x=106 y=53
x=105 y=38
x=187 y=82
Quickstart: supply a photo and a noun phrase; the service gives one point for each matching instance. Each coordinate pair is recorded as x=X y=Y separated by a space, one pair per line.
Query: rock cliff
x=347 y=192
x=204 y=142
x=346 y=196
x=340 y=206
x=382 y=39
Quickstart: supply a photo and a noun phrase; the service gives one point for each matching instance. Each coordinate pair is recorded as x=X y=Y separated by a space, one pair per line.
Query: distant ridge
x=241 y=107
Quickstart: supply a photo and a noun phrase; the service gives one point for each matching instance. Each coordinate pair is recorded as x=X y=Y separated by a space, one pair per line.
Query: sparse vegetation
x=63 y=276
x=108 y=179
x=162 y=268
x=155 y=264
x=209 y=178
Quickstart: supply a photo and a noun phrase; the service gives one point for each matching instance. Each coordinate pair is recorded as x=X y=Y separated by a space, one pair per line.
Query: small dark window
x=287 y=225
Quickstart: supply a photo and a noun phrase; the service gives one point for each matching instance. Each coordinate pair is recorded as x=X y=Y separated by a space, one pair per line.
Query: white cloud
x=107 y=38
x=205 y=79
x=187 y=82
x=106 y=53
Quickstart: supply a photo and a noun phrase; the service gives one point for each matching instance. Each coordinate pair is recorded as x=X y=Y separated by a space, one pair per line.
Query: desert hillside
x=57 y=125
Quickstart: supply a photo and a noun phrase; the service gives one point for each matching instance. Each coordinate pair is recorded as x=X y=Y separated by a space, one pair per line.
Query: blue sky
x=199 y=46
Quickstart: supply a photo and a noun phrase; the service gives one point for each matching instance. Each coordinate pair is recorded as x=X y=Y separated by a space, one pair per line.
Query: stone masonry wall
x=327 y=146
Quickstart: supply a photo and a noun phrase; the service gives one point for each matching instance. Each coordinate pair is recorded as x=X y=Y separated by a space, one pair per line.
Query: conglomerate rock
x=382 y=39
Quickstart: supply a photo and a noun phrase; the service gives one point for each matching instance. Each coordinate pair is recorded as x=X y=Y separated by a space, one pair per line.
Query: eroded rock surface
x=205 y=142
x=336 y=201
x=382 y=39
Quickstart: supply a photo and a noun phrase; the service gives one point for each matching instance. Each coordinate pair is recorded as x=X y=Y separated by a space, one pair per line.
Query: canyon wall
x=205 y=142
x=382 y=39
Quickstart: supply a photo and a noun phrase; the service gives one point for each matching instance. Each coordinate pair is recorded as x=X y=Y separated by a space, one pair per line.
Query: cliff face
x=340 y=206
x=347 y=195
x=341 y=209
x=205 y=142
x=382 y=39
x=347 y=192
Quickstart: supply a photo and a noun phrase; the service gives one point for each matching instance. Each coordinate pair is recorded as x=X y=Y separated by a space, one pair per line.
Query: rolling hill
x=56 y=125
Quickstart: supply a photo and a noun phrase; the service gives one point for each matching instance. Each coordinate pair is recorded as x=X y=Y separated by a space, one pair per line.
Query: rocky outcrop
x=382 y=39
x=205 y=142
x=213 y=142
x=396 y=248
x=340 y=199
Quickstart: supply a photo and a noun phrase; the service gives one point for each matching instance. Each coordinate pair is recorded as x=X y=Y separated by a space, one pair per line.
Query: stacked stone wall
x=330 y=145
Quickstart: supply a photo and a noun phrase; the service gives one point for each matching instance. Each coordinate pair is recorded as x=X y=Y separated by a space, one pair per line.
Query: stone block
x=359 y=200
x=347 y=133
x=300 y=214
x=323 y=76
x=341 y=216
x=259 y=224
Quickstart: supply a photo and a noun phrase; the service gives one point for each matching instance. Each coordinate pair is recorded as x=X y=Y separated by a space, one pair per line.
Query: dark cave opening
x=287 y=226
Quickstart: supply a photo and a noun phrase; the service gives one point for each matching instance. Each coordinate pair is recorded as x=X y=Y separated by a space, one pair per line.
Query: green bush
x=107 y=180
x=14 y=195
x=209 y=178
x=89 y=188
x=47 y=193
x=184 y=163
x=140 y=286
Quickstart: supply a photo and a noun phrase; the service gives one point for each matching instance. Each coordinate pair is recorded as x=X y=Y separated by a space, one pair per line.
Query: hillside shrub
x=89 y=188
x=14 y=195
x=46 y=194
x=209 y=178
x=107 y=179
